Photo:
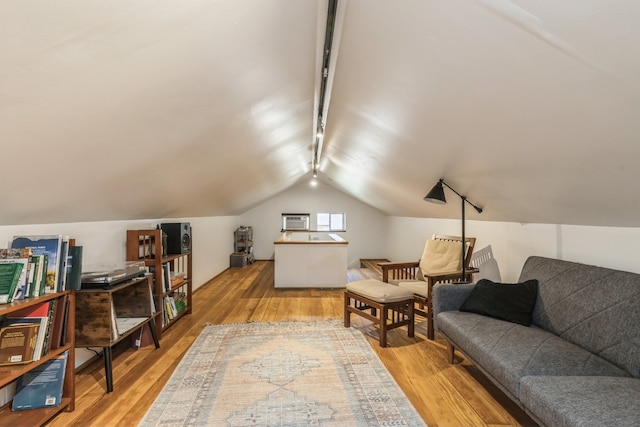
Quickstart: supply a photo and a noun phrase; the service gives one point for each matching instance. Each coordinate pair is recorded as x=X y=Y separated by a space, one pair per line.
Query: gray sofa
x=578 y=364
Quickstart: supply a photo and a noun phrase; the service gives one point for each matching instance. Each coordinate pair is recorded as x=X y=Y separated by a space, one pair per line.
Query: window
x=331 y=222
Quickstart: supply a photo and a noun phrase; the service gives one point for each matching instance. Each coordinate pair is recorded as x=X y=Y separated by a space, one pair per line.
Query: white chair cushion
x=418 y=287
x=379 y=291
x=441 y=256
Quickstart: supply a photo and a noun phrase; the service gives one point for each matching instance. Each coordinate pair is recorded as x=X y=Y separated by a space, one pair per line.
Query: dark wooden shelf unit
x=146 y=245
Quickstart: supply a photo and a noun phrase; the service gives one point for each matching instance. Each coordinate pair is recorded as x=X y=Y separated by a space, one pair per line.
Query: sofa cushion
x=594 y=307
x=508 y=351
x=582 y=401
x=506 y=301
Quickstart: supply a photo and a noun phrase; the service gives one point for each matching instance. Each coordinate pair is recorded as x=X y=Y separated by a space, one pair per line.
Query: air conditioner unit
x=295 y=222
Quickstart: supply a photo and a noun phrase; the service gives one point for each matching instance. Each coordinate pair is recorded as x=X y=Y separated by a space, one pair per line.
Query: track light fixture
x=324 y=77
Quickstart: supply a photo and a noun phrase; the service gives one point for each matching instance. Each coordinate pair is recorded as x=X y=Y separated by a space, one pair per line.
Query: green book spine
x=74 y=267
x=9 y=277
x=43 y=279
x=34 y=279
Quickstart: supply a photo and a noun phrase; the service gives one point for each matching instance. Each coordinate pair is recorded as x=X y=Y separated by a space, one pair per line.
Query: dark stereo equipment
x=178 y=237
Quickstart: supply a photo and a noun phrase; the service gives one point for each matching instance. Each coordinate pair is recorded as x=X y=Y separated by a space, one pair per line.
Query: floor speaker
x=178 y=237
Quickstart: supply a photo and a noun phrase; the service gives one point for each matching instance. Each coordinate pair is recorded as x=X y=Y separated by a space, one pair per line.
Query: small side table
x=101 y=313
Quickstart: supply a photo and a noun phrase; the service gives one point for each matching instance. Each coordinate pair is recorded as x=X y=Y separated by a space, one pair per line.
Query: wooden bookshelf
x=146 y=245
x=10 y=373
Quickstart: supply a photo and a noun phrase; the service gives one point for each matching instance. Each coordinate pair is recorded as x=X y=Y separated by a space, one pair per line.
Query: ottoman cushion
x=379 y=291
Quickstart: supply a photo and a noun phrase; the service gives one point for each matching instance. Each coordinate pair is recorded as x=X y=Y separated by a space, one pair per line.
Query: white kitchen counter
x=310 y=260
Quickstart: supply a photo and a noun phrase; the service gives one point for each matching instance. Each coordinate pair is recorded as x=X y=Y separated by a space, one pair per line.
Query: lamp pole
x=464 y=242
x=436 y=195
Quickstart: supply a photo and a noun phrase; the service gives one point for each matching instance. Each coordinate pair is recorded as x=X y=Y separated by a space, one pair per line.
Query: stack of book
x=21 y=274
x=55 y=248
x=30 y=333
x=174 y=304
x=176 y=279
x=38 y=265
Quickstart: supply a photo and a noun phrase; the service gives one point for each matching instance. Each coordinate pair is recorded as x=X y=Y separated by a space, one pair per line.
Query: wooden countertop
x=286 y=236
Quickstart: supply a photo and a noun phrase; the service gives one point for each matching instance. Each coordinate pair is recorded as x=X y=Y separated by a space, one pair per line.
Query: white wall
x=104 y=243
x=366 y=226
x=513 y=243
x=370 y=235
x=212 y=245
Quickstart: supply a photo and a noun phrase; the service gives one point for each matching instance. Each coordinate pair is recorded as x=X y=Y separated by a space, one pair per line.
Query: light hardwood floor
x=443 y=394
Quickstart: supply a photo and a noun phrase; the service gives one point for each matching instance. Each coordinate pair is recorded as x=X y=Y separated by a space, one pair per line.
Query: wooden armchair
x=418 y=277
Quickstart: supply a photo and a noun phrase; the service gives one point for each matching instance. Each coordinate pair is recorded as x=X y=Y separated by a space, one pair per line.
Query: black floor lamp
x=436 y=195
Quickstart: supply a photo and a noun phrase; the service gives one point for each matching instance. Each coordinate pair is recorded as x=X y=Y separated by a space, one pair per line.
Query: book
x=43 y=279
x=152 y=300
x=22 y=256
x=18 y=343
x=41 y=335
x=176 y=279
x=168 y=308
x=35 y=276
x=7 y=392
x=180 y=303
x=21 y=288
x=65 y=318
x=50 y=318
x=13 y=253
x=166 y=276
x=9 y=277
x=42 y=386
x=125 y=324
x=143 y=339
x=74 y=268
x=40 y=315
x=49 y=245
x=114 y=323
x=172 y=304
x=59 y=322
x=61 y=284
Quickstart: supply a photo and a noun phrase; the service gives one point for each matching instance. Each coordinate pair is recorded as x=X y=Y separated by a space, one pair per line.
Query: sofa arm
x=449 y=297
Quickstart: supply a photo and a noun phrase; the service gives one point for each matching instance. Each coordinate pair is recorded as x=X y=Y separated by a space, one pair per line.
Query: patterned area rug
x=281 y=374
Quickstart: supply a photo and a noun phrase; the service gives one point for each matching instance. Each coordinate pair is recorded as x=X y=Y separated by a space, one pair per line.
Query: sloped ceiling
x=157 y=109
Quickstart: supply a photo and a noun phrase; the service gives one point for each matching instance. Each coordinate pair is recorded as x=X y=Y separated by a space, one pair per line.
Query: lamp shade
x=436 y=195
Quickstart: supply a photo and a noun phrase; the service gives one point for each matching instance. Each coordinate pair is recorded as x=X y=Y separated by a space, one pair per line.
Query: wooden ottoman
x=387 y=306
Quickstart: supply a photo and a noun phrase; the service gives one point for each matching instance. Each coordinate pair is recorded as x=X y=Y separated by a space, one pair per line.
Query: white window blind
x=331 y=222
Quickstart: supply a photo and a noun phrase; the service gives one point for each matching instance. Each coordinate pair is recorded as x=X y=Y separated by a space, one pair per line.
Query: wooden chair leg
x=430 y=331
x=384 y=312
x=429 y=313
x=411 y=326
x=390 y=315
x=347 y=314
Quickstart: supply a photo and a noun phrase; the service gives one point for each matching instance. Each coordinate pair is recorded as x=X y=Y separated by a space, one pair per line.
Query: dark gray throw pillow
x=512 y=302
